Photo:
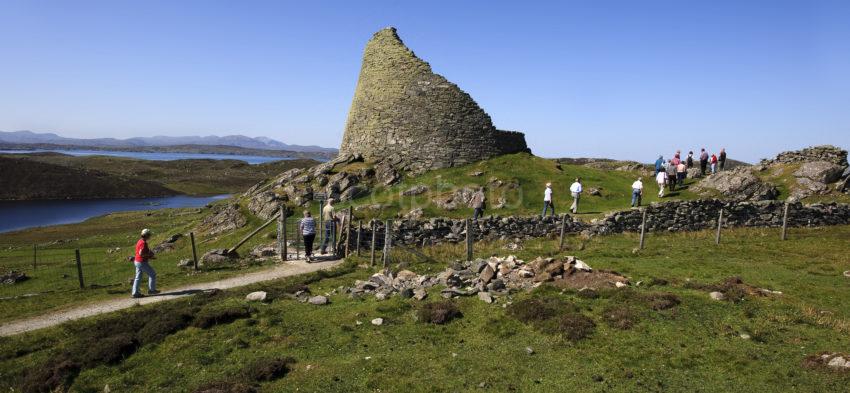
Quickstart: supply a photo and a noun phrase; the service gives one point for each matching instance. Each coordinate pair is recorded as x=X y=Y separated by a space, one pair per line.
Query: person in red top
x=140 y=261
x=713 y=164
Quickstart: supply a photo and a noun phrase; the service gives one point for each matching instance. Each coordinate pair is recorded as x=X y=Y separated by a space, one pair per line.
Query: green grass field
x=519 y=179
x=697 y=345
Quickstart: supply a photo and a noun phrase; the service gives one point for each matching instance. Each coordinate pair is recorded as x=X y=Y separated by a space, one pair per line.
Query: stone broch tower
x=404 y=112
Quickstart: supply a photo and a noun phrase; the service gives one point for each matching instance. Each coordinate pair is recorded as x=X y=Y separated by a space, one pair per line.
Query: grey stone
x=486 y=275
x=257 y=296
x=318 y=300
x=820 y=171
x=717 y=296
x=378 y=321
x=406 y=293
x=225 y=220
x=415 y=190
x=486 y=297
x=420 y=293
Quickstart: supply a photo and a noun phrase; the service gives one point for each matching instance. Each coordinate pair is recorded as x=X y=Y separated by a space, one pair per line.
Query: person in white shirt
x=661 y=179
x=637 y=191
x=575 y=190
x=547 y=200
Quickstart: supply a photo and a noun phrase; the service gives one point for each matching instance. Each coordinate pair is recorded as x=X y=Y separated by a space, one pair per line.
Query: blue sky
x=630 y=79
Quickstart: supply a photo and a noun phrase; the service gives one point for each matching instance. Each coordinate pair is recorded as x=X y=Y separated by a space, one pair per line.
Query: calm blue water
x=154 y=156
x=16 y=215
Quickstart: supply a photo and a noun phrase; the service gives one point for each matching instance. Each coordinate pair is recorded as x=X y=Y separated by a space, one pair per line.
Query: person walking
x=681 y=172
x=575 y=190
x=671 y=176
x=690 y=161
x=713 y=164
x=141 y=261
x=661 y=179
x=307 y=227
x=722 y=159
x=676 y=160
x=478 y=203
x=329 y=215
x=547 y=200
x=703 y=161
x=659 y=164
x=637 y=191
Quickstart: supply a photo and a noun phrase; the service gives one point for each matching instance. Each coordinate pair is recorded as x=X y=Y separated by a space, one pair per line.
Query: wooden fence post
x=359 y=235
x=348 y=230
x=719 y=224
x=785 y=222
x=374 y=225
x=563 y=231
x=194 y=250
x=468 y=240
x=79 y=268
x=387 y=243
x=642 y=228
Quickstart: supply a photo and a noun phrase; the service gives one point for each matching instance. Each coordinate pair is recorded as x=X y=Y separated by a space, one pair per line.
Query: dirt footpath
x=287 y=269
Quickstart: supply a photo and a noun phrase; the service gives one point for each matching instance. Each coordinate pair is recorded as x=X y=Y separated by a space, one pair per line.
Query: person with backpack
x=703 y=161
x=141 y=261
x=722 y=159
x=478 y=202
x=637 y=191
x=547 y=200
x=690 y=161
x=659 y=164
x=713 y=163
x=307 y=227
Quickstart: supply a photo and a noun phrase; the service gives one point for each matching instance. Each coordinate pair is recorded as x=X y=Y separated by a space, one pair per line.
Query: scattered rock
x=529 y=350
x=847 y=273
x=258 y=296
x=420 y=293
x=486 y=297
x=218 y=257
x=186 y=263
x=717 y=295
x=476 y=173
x=13 y=277
x=415 y=190
x=378 y=321
x=318 y=300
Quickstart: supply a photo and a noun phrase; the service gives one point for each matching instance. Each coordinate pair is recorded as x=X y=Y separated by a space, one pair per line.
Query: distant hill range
x=40 y=140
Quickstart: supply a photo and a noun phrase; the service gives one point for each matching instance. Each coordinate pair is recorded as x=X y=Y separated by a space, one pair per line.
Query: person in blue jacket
x=659 y=163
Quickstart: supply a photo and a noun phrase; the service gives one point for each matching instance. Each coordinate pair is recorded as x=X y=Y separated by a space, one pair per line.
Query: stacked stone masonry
x=661 y=217
x=404 y=113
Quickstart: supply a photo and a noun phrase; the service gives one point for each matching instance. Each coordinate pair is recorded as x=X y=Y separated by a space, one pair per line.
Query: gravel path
x=291 y=268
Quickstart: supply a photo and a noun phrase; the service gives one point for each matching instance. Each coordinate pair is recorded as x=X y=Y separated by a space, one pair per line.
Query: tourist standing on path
x=690 y=161
x=703 y=161
x=307 y=227
x=659 y=164
x=328 y=214
x=478 y=201
x=575 y=190
x=140 y=261
x=713 y=164
x=547 y=200
x=722 y=159
x=637 y=191
x=671 y=176
x=681 y=172
x=661 y=179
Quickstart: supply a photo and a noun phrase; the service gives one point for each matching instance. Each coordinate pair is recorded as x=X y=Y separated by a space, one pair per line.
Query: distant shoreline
x=190 y=149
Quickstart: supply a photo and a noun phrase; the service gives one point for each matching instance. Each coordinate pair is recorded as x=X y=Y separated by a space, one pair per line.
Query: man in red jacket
x=140 y=261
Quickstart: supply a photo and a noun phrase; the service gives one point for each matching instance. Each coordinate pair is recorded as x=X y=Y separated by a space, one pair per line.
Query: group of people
x=673 y=172
x=575 y=191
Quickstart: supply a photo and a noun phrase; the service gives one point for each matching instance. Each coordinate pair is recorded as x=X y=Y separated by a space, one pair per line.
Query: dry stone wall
x=406 y=114
x=661 y=217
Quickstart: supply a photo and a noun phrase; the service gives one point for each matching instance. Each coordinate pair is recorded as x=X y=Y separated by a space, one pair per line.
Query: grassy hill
x=517 y=180
x=116 y=176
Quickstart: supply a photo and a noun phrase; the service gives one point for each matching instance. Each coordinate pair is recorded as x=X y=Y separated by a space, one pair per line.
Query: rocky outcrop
x=225 y=220
x=820 y=171
x=739 y=184
x=405 y=113
x=826 y=153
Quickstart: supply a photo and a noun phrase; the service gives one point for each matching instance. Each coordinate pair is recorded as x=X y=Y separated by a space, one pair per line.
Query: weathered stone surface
x=378 y=321
x=224 y=221
x=486 y=297
x=258 y=296
x=218 y=257
x=738 y=184
x=354 y=192
x=717 y=296
x=820 y=171
x=817 y=153
x=415 y=190
x=420 y=120
x=318 y=300
x=265 y=204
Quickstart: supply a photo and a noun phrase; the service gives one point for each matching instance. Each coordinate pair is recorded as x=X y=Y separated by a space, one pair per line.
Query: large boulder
x=820 y=171
x=354 y=192
x=265 y=204
x=225 y=220
x=739 y=184
x=218 y=258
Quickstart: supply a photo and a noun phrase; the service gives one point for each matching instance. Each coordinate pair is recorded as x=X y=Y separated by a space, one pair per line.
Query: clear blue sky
x=628 y=79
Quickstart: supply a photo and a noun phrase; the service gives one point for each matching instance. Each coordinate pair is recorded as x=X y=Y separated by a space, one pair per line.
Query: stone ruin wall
x=826 y=153
x=662 y=217
x=416 y=119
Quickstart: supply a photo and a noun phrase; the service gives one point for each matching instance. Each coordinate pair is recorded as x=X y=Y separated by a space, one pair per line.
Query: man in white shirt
x=637 y=192
x=547 y=200
x=575 y=190
x=661 y=179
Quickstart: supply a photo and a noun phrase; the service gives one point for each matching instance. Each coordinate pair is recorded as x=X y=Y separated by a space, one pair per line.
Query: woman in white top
x=575 y=190
x=661 y=179
x=547 y=200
